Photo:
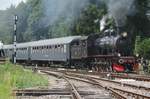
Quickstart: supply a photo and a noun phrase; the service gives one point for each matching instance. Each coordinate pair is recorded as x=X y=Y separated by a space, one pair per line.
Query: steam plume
x=55 y=9
x=120 y=9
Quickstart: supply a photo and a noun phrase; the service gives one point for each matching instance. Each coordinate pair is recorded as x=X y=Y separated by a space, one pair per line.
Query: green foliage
x=86 y=25
x=60 y=29
x=12 y=77
x=22 y=11
x=33 y=19
x=144 y=48
x=140 y=20
x=6 y=24
x=137 y=46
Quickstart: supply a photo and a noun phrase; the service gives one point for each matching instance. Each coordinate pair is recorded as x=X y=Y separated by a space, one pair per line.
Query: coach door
x=76 y=50
x=29 y=53
x=84 y=48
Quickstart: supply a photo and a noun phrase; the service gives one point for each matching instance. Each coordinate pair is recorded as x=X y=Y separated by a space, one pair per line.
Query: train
x=104 y=53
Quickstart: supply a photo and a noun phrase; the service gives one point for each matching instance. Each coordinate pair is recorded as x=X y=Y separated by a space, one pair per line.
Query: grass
x=15 y=77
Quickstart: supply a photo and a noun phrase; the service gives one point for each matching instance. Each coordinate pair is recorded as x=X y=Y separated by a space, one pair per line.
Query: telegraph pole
x=15 y=38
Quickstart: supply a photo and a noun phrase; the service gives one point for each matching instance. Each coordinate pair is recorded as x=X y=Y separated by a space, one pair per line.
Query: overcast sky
x=6 y=3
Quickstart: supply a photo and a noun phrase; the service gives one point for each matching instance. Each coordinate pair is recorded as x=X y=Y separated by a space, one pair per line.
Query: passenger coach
x=59 y=50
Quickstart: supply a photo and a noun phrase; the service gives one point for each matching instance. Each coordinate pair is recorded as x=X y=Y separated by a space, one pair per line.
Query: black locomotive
x=106 y=52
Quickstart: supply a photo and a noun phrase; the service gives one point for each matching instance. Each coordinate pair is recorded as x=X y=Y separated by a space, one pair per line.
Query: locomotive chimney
x=120 y=29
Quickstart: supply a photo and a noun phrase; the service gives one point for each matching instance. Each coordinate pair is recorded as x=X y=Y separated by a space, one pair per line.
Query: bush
x=144 y=48
x=14 y=77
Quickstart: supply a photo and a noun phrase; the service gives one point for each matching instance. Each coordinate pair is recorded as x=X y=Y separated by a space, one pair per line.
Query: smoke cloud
x=69 y=9
x=56 y=9
x=120 y=9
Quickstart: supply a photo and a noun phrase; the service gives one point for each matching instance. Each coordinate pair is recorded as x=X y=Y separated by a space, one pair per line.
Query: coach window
x=22 y=50
x=49 y=47
x=43 y=49
x=59 y=48
x=37 y=49
x=40 y=49
x=55 y=48
x=62 y=48
x=33 y=49
x=65 y=48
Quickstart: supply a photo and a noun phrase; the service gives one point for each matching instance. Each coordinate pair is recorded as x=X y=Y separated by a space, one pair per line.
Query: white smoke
x=70 y=9
x=103 y=22
x=120 y=9
x=55 y=9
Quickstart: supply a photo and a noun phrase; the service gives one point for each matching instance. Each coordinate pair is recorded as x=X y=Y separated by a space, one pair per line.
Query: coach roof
x=55 y=41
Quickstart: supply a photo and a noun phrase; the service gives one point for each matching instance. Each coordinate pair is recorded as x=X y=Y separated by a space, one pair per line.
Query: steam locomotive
x=105 y=52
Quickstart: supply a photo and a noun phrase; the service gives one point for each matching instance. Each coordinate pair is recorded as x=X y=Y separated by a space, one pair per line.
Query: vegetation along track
x=42 y=92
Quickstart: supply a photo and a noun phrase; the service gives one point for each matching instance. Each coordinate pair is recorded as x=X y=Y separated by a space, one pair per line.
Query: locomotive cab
x=78 y=51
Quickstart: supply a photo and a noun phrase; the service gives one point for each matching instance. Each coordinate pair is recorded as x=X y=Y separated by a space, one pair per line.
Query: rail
x=77 y=96
x=74 y=91
x=113 y=89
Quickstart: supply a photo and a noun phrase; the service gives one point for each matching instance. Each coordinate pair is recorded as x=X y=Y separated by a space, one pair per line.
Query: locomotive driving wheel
x=102 y=65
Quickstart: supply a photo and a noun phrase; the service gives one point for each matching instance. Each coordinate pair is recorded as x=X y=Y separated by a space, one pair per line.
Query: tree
x=6 y=26
x=144 y=48
x=61 y=28
x=137 y=45
x=22 y=11
x=86 y=25
x=35 y=14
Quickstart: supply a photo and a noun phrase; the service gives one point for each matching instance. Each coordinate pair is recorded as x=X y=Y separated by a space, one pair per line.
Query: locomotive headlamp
x=137 y=55
x=124 y=34
x=119 y=54
x=121 y=61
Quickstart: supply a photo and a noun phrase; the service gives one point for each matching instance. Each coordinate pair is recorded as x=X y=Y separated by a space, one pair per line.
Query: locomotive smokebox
x=120 y=29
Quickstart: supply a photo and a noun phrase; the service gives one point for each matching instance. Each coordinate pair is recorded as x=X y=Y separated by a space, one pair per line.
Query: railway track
x=113 y=75
x=102 y=74
x=2 y=60
x=117 y=89
x=126 y=89
x=38 y=92
x=74 y=89
x=116 y=94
